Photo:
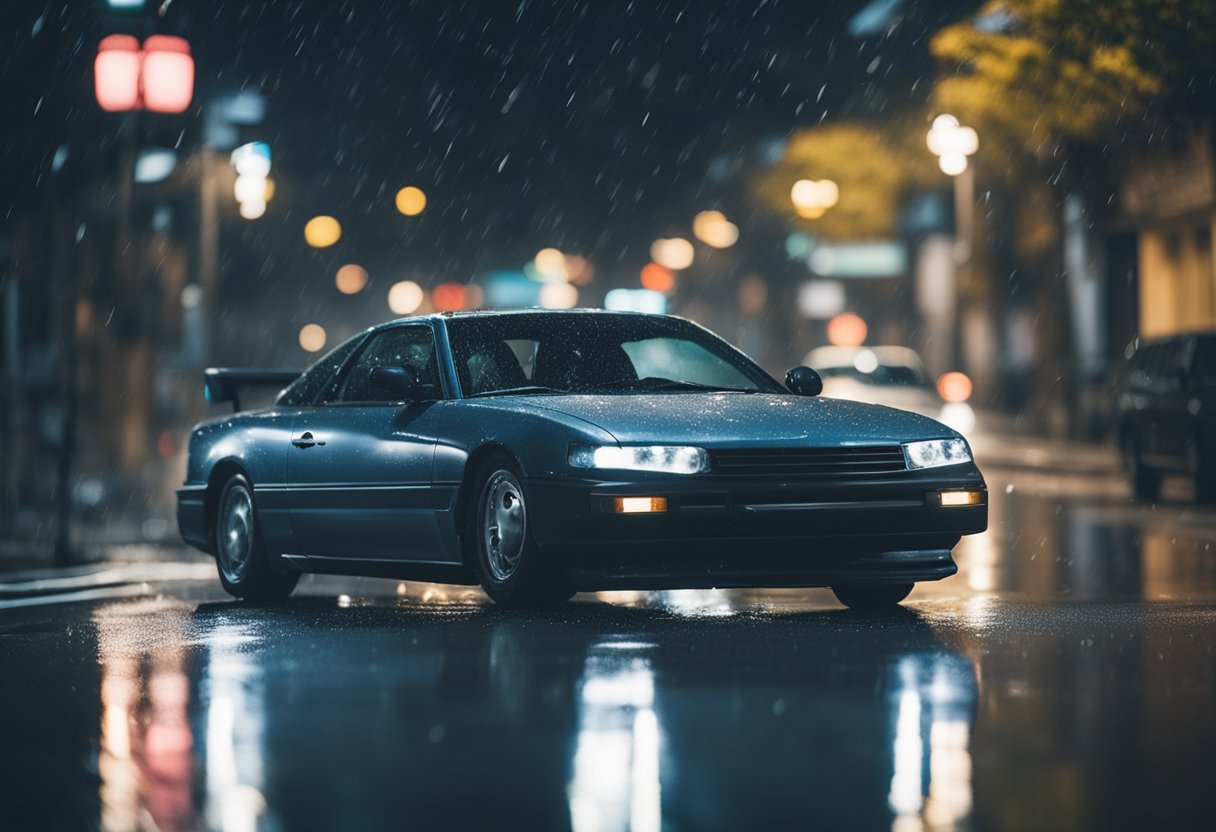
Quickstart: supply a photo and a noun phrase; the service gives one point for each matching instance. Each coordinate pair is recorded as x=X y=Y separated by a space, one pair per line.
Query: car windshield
x=884 y=375
x=596 y=353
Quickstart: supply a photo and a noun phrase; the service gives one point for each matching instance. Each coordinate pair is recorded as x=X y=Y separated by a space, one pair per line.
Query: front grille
x=807 y=462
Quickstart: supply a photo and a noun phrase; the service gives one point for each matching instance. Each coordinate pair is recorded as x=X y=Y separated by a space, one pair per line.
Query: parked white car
x=888 y=375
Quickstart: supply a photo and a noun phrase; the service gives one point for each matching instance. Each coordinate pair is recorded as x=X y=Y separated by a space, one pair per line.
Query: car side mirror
x=397 y=383
x=804 y=381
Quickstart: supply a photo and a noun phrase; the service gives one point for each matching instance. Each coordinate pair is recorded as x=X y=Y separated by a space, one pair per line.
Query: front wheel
x=871 y=596
x=239 y=553
x=512 y=571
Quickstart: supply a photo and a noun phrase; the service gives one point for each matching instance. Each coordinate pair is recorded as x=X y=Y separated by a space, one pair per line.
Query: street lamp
x=673 y=253
x=252 y=189
x=952 y=144
x=812 y=198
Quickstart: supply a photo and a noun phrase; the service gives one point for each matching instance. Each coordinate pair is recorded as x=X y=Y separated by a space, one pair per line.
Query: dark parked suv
x=1166 y=411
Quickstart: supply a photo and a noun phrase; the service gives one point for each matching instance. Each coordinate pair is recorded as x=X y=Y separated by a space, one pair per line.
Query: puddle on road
x=1086 y=543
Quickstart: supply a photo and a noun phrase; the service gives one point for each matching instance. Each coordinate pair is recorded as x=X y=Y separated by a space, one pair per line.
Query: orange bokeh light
x=656 y=278
x=847 y=330
x=448 y=297
x=954 y=387
x=351 y=279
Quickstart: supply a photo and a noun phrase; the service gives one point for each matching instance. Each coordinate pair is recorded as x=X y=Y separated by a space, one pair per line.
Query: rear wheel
x=512 y=571
x=239 y=554
x=871 y=596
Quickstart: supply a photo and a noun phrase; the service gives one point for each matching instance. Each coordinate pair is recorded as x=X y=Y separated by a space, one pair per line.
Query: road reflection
x=1036 y=690
x=642 y=713
x=1082 y=544
x=146 y=757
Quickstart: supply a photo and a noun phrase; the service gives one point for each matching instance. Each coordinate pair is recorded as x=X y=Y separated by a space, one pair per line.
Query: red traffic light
x=159 y=77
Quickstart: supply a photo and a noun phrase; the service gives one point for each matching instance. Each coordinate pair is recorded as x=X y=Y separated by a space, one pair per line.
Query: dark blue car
x=543 y=453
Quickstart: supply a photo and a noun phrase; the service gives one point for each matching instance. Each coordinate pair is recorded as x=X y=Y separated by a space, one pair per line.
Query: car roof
x=1205 y=335
x=490 y=314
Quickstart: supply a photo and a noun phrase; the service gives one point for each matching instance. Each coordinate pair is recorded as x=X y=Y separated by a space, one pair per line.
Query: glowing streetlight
x=551 y=266
x=411 y=201
x=812 y=198
x=951 y=143
x=714 y=229
x=673 y=253
x=252 y=210
x=312 y=337
x=351 y=279
x=322 y=231
x=847 y=330
x=558 y=296
x=405 y=297
x=252 y=188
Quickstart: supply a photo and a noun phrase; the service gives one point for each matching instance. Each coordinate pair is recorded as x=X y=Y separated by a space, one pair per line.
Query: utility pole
x=65 y=292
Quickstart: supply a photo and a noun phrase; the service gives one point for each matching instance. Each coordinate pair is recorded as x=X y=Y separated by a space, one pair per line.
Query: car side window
x=1173 y=364
x=411 y=347
x=310 y=385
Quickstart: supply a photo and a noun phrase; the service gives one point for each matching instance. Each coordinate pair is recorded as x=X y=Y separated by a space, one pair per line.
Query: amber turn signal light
x=639 y=505
x=961 y=498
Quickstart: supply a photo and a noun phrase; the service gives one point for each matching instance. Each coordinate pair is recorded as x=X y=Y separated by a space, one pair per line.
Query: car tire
x=240 y=555
x=512 y=571
x=1146 y=482
x=871 y=596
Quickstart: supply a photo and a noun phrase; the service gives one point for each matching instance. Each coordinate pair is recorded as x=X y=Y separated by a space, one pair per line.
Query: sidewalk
x=998 y=442
x=25 y=561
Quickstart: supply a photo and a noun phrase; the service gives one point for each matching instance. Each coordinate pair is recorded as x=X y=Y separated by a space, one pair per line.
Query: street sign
x=879 y=258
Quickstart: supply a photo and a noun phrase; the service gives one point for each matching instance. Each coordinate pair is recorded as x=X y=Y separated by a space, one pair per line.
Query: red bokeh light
x=159 y=77
x=448 y=297
x=116 y=73
x=657 y=278
x=168 y=74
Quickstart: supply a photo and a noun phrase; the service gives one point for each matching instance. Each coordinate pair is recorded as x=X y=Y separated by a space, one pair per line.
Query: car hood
x=743 y=420
x=925 y=402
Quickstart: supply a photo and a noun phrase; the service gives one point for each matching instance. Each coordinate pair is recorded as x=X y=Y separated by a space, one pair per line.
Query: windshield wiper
x=653 y=383
x=516 y=391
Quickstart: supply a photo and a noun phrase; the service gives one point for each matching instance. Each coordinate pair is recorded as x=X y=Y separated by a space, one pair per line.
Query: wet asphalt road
x=1065 y=679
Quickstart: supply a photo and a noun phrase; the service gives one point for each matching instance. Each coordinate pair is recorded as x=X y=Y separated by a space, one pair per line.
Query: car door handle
x=306 y=440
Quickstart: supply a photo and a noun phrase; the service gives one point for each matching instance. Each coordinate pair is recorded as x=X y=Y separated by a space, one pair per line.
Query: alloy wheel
x=504 y=524
x=235 y=538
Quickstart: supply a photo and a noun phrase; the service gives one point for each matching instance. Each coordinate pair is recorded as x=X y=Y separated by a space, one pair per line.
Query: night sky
x=593 y=127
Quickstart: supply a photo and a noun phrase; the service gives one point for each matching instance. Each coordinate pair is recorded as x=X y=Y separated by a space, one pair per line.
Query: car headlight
x=667 y=459
x=936 y=452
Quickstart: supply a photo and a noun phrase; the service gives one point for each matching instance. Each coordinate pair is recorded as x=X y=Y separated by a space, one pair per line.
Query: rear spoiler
x=222 y=384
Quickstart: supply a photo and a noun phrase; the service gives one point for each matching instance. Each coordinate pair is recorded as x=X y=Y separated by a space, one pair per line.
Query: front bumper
x=719 y=532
